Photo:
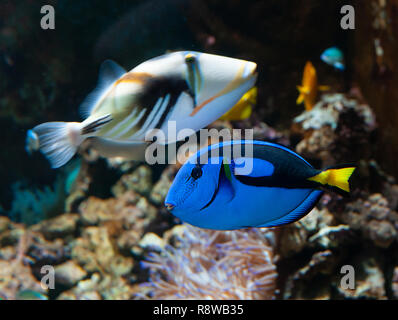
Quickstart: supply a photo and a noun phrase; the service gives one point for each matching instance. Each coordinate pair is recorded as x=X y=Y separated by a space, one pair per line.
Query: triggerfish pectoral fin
x=303 y=209
x=337 y=177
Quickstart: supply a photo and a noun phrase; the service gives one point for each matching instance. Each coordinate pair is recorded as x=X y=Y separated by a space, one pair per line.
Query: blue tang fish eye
x=271 y=186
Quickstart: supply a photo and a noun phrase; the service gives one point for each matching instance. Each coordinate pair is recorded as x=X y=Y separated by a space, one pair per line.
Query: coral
x=335 y=130
x=140 y=180
x=321 y=263
x=99 y=287
x=214 y=265
x=129 y=209
x=58 y=227
x=69 y=273
x=31 y=205
x=373 y=218
x=15 y=273
x=369 y=280
x=395 y=283
x=293 y=238
x=327 y=112
x=160 y=189
x=96 y=253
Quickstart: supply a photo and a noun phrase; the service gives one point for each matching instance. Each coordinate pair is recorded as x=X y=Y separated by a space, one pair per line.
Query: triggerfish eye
x=189 y=58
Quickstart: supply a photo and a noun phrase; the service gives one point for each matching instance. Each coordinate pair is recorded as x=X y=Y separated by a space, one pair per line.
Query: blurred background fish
x=309 y=87
x=30 y=295
x=334 y=57
x=243 y=109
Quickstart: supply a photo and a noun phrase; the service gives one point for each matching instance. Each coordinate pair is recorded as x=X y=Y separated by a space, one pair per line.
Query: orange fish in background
x=309 y=87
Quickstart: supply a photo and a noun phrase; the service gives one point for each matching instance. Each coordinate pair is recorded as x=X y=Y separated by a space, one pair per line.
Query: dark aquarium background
x=101 y=223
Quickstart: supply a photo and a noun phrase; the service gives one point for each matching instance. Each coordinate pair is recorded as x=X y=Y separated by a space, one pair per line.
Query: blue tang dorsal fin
x=109 y=72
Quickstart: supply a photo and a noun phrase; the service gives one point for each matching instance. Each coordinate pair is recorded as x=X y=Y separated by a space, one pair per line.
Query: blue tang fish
x=223 y=194
x=334 y=57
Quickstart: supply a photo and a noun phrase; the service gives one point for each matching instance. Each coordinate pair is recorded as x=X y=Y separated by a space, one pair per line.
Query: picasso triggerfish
x=214 y=190
x=191 y=88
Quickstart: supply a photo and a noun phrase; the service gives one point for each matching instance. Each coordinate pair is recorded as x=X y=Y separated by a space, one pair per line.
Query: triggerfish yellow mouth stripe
x=238 y=80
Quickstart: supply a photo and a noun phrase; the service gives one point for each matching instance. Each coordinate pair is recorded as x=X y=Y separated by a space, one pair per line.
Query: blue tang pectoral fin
x=300 y=211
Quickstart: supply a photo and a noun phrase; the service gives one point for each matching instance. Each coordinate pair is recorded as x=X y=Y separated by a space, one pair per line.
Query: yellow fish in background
x=309 y=87
x=243 y=109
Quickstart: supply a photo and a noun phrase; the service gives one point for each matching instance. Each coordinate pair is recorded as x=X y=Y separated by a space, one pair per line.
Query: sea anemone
x=214 y=265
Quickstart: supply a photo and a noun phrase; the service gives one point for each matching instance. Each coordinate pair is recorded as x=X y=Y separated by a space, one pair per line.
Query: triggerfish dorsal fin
x=335 y=177
x=109 y=72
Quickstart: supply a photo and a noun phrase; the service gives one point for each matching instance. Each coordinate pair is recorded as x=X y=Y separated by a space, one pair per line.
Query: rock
x=16 y=277
x=128 y=239
x=382 y=233
x=394 y=285
x=337 y=129
x=4 y=223
x=140 y=180
x=330 y=237
x=175 y=235
x=96 y=253
x=69 y=273
x=391 y=193
x=152 y=241
x=44 y=251
x=58 y=227
x=374 y=218
x=369 y=280
x=70 y=295
x=160 y=189
x=295 y=237
x=100 y=287
x=296 y=286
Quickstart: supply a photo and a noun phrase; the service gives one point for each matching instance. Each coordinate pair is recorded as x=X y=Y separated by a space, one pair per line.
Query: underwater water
x=83 y=206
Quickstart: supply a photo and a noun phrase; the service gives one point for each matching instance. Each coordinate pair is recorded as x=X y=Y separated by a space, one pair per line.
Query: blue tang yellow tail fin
x=335 y=177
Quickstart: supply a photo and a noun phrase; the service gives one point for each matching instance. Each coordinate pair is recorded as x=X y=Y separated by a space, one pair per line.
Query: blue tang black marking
x=280 y=187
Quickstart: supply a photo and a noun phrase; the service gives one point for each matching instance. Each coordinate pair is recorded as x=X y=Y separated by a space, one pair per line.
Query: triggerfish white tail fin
x=336 y=178
x=58 y=141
